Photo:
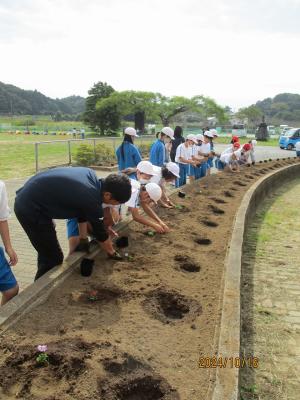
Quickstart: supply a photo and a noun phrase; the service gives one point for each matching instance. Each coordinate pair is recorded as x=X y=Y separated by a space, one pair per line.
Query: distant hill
x=32 y=102
x=283 y=107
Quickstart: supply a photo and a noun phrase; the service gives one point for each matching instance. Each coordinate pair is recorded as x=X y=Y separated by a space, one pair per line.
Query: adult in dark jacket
x=65 y=193
x=176 y=142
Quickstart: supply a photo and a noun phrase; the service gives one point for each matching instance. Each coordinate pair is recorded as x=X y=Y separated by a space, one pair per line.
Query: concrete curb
x=227 y=379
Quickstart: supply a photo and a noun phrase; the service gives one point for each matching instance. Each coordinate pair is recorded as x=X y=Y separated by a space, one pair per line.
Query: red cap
x=235 y=139
x=247 y=147
x=236 y=145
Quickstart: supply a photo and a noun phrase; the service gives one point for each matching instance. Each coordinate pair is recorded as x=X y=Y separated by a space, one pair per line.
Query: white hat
x=145 y=167
x=214 y=132
x=130 y=131
x=168 y=131
x=173 y=168
x=154 y=191
x=208 y=134
x=192 y=137
x=200 y=137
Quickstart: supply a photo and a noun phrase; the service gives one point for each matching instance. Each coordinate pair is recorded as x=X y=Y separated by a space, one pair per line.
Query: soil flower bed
x=135 y=329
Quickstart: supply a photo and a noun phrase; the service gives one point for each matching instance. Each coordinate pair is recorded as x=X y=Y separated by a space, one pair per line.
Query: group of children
x=92 y=206
x=194 y=158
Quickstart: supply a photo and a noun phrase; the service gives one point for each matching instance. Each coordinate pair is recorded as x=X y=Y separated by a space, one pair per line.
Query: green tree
x=100 y=120
x=207 y=107
x=141 y=105
x=168 y=107
x=252 y=113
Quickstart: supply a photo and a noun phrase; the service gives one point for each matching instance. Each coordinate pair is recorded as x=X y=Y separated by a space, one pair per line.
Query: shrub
x=104 y=153
x=145 y=149
x=85 y=155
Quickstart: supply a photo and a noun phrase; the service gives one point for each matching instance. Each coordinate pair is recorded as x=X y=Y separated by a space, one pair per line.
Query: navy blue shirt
x=63 y=193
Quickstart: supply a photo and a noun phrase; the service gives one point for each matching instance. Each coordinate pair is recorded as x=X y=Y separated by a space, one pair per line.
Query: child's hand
x=158 y=228
x=13 y=258
x=165 y=227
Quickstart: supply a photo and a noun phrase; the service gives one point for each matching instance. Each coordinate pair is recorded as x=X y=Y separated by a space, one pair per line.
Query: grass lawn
x=17 y=151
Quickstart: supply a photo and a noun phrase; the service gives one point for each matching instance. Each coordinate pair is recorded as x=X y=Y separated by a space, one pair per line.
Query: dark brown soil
x=134 y=329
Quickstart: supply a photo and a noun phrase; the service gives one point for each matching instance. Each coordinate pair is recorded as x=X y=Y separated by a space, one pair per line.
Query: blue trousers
x=183 y=172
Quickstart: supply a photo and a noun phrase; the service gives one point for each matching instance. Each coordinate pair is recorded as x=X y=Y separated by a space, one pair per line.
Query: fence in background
x=67 y=148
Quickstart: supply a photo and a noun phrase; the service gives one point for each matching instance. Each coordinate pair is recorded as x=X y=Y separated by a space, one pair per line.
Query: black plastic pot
x=86 y=267
x=122 y=242
x=181 y=194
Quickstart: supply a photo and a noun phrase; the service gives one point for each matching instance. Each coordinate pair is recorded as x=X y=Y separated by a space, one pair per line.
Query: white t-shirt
x=184 y=152
x=156 y=178
x=205 y=148
x=225 y=158
x=228 y=150
x=133 y=202
x=4 y=209
x=297 y=146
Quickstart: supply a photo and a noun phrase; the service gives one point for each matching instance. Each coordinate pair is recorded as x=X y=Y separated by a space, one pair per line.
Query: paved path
x=271 y=298
x=26 y=268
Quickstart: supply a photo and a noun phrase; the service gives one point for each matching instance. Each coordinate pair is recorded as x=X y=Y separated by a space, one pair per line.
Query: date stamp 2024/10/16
x=228 y=362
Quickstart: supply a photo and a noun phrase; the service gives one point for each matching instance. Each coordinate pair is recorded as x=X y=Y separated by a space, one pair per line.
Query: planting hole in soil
x=190 y=267
x=217 y=200
x=122 y=365
x=234 y=189
x=209 y=223
x=203 y=241
x=239 y=183
x=228 y=194
x=97 y=295
x=249 y=176
x=169 y=306
x=216 y=210
x=144 y=387
x=187 y=264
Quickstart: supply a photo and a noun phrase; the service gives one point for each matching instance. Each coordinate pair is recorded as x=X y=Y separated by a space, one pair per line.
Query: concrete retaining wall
x=227 y=379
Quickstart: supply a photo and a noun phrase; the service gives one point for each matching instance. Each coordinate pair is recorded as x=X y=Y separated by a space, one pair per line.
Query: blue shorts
x=210 y=163
x=219 y=164
x=72 y=228
x=7 y=278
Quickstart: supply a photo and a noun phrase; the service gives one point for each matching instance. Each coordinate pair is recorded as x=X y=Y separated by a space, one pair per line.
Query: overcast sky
x=235 y=51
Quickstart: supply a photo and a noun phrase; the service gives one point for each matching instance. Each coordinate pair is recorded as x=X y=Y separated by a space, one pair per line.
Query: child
x=8 y=284
x=230 y=161
x=184 y=159
x=128 y=154
x=158 y=153
x=201 y=167
x=142 y=195
x=220 y=165
x=167 y=174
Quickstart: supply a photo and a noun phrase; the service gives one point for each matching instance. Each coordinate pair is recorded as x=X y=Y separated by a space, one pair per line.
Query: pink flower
x=42 y=348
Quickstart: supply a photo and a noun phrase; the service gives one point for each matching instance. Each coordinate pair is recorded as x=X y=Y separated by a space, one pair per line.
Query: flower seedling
x=179 y=206
x=93 y=296
x=150 y=233
x=43 y=357
x=129 y=257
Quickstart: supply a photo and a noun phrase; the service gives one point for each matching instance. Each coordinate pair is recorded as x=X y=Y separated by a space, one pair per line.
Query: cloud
x=235 y=50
